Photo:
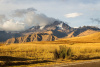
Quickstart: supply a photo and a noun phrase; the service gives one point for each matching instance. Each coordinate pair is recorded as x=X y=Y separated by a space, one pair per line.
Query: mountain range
x=49 y=32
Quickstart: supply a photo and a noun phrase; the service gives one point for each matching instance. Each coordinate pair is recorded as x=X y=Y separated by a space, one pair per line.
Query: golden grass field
x=42 y=52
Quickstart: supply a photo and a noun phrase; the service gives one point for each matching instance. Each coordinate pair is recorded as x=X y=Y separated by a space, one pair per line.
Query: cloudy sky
x=74 y=12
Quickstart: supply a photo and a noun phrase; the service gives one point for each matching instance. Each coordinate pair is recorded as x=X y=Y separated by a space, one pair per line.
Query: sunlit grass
x=46 y=51
x=33 y=51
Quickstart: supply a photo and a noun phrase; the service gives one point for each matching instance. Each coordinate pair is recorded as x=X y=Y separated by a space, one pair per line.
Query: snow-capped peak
x=60 y=26
x=41 y=27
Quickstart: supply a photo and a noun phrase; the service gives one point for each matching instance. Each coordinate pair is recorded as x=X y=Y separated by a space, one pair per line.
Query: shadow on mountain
x=59 y=34
x=4 y=35
x=84 y=28
x=15 y=61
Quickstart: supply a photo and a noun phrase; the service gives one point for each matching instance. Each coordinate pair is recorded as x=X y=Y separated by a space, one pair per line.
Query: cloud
x=88 y=7
x=31 y=18
x=72 y=15
x=2 y=17
x=95 y=20
x=10 y=25
x=21 y=12
x=37 y=19
x=22 y=19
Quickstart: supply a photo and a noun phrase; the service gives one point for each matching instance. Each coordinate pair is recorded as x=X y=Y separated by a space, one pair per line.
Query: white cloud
x=10 y=25
x=32 y=18
x=21 y=12
x=23 y=19
x=72 y=15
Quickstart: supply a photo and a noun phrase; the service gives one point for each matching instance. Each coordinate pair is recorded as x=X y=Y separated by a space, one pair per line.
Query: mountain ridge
x=58 y=29
x=32 y=38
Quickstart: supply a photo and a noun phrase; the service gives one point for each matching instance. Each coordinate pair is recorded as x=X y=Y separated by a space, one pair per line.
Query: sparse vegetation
x=48 y=51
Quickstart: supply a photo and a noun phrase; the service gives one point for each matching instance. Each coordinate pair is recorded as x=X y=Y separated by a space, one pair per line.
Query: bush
x=63 y=52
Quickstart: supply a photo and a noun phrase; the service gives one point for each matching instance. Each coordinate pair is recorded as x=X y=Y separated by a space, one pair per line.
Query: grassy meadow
x=40 y=52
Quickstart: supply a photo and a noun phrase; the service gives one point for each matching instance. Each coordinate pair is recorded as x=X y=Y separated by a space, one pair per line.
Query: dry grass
x=33 y=51
x=45 y=51
x=88 y=50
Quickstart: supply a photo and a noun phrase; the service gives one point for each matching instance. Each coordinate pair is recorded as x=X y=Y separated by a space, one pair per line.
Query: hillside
x=33 y=37
x=83 y=31
x=95 y=37
x=87 y=32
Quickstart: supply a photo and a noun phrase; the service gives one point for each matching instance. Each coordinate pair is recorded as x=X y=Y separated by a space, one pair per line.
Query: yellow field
x=45 y=51
x=33 y=51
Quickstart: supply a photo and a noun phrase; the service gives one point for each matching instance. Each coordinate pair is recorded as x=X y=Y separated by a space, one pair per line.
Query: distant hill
x=33 y=37
x=83 y=31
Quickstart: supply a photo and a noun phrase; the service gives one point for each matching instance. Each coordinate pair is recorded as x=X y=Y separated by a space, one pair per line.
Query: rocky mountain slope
x=32 y=37
x=58 y=29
